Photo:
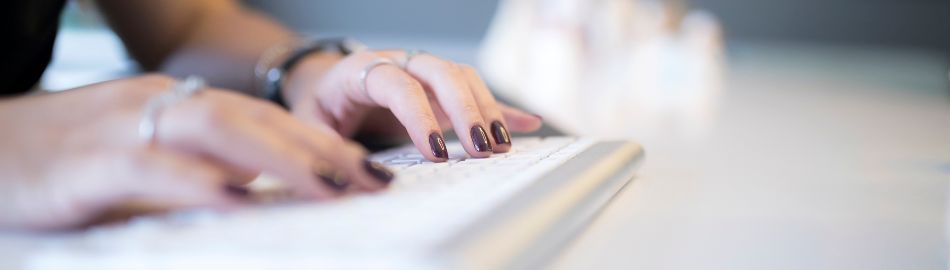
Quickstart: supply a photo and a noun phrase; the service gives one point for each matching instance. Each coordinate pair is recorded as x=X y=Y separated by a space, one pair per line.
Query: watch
x=275 y=75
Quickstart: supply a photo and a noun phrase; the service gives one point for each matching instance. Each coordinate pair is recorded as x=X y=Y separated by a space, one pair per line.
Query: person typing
x=257 y=98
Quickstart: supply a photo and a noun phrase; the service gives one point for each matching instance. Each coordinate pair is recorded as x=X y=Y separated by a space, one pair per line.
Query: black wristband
x=276 y=76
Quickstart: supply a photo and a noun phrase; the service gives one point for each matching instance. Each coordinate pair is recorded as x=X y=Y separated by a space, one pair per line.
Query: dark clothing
x=29 y=30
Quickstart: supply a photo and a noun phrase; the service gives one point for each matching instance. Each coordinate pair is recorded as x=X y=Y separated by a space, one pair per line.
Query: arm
x=218 y=39
x=222 y=41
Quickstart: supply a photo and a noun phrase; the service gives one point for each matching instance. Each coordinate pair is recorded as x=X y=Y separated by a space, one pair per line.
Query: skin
x=69 y=157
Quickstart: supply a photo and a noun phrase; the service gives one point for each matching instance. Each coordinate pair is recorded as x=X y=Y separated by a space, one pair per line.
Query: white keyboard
x=497 y=212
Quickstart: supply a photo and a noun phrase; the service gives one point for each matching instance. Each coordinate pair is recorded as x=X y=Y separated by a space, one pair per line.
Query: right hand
x=68 y=157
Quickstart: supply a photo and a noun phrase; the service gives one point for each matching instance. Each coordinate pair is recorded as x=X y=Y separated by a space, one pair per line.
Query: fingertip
x=436 y=152
x=502 y=148
x=480 y=146
x=362 y=172
x=379 y=172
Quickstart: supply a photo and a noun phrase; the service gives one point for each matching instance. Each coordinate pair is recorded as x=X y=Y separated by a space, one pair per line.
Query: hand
x=429 y=95
x=70 y=156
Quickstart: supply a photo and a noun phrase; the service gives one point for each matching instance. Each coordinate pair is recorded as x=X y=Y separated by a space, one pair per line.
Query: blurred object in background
x=86 y=51
x=609 y=68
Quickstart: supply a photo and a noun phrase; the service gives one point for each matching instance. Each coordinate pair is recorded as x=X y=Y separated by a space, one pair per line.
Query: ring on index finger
x=366 y=70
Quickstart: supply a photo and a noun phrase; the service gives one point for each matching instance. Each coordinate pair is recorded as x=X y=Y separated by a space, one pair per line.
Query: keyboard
x=512 y=210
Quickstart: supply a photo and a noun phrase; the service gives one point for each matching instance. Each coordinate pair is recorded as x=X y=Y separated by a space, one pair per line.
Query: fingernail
x=335 y=182
x=438 y=145
x=500 y=133
x=538 y=116
x=480 y=139
x=378 y=171
x=237 y=191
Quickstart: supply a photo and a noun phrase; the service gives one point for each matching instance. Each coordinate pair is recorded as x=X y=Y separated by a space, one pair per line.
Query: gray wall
x=920 y=23
x=441 y=18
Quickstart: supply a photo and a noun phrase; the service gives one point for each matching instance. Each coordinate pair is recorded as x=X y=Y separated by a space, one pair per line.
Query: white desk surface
x=820 y=158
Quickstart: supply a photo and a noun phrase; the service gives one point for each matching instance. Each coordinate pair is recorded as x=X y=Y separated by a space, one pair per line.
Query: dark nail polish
x=500 y=133
x=480 y=139
x=378 y=171
x=237 y=191
x=336 y=182
x=437 y=143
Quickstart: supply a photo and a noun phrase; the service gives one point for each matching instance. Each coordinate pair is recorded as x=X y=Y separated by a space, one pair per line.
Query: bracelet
x=148 y=125
x=276 y=74
x=268 y=60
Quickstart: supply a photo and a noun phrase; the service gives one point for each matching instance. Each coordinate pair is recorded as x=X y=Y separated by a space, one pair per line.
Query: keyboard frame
x=535 y=228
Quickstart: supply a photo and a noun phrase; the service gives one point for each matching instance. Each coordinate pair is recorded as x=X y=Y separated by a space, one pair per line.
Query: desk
x=820 y=158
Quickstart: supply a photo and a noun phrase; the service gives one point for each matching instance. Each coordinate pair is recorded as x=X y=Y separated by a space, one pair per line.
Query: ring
x=365 y=74
x=148 y=125
x=408 y=56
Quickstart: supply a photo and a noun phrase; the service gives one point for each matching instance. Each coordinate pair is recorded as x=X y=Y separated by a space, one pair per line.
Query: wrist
x=307 y=75
x=278 y=73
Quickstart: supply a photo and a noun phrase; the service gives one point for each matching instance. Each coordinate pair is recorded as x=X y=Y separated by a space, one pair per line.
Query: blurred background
x=917 y=23
x=664 y=58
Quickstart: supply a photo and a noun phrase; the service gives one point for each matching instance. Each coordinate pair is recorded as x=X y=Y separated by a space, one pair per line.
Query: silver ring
x=408 y=57
x=365 y=74
x=148 y=125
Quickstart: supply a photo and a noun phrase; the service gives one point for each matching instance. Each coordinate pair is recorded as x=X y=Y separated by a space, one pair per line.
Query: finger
x=170 y=180
x=213 y=126
x=520 y=121
x=390 y=87
x=334 y=154
x=450 y=87
x=501 y=139
x=83 y=187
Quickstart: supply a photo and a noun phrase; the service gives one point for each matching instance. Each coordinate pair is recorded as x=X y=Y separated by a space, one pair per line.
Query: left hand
x=430 y=94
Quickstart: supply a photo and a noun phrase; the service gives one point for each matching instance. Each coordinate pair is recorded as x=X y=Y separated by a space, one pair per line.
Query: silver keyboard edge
x=558 y=233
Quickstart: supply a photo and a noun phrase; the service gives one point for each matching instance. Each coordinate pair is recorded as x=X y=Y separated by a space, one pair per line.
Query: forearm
x=219 y=40
x=225 y=47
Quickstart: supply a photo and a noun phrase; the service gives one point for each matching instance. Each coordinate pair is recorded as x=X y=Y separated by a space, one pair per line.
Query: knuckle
x=427 y=119
x=470 y=108
x=211 y=115
x=264 y=110
x=156 y=78
x=154 y=81
x=467 y=68
x=330 y=143
x=449 y=67
x=132 y=161
x=299 y=160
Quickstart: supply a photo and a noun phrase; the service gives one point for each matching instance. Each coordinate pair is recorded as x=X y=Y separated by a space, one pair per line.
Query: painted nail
x=336 y=182
x=438 y=145
x=237 y=191
x=378 y=171
x=480 y=139
x=500 y=133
